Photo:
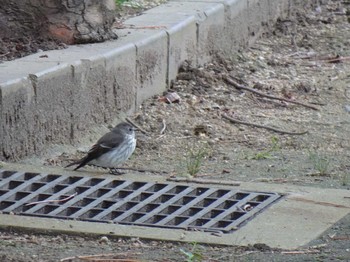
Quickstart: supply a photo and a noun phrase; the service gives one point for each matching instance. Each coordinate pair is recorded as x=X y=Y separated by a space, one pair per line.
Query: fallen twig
x=236 y=121
x=102 y=257
x=143 y=170
x=6 y=237
x=318 y=103
x=306 y=55
x=346 y=91
x=275 y=180
x=271 y=102
x=52 y=200
x=163 y=128
x=136 y=125
x=297 y=252
x=243 y=254
x=336 y=59
x=321 y=174
x=20 y=239
x=340 y=237
x=4 y=54
x=123 y=26
x=326 y=59
x=203 y=181
x=240 y=87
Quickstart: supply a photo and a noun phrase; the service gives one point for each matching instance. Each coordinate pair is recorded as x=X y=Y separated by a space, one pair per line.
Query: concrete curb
x=58 y=99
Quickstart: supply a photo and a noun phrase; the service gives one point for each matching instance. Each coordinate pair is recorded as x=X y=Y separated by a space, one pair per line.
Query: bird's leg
x=115 y=171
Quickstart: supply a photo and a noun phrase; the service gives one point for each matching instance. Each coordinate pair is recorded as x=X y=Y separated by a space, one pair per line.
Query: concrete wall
x=58 y=99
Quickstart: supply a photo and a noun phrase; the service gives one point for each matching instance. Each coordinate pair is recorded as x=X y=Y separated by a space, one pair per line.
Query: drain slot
x=127 y=202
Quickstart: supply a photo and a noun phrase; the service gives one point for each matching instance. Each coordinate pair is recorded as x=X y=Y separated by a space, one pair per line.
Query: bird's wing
x=106 y=143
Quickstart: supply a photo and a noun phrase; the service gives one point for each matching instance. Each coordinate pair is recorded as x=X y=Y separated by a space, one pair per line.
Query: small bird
x=111 y=150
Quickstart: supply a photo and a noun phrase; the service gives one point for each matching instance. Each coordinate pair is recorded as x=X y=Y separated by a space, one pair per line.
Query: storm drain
x=128 y=202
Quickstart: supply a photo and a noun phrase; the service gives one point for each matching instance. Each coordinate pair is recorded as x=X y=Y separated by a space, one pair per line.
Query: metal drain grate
x=128 y=202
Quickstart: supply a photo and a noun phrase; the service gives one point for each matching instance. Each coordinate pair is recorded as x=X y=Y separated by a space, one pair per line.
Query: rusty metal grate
x=128 y=202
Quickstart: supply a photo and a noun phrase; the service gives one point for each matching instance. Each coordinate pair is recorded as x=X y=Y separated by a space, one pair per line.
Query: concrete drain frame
x=126 y=202
x=119 y=202
x=300 y=215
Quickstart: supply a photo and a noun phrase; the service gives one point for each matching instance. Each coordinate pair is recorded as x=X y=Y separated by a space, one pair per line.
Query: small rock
x=347 y=108
x=201 y=130
x=261 y=247
x=104 y=240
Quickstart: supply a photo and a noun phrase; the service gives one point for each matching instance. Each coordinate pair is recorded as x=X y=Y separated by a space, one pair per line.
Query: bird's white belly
x=115 y=157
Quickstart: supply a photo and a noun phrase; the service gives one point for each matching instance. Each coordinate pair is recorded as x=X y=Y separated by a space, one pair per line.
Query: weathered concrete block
x=51 y=107
x=105 y=87
x=236 y=26
x=209 y=17
x=151 y=60
x=151 y=66
x=12 y=71
x=121 y=79
x=22 y=128
x=210 y=33
x=232 y=33
x=16 y=128
x=60 y=104
x=278 y=9
x=182 y=43
x=178 y=20
x=258 y=18
x=88 y=95
x=193 y=28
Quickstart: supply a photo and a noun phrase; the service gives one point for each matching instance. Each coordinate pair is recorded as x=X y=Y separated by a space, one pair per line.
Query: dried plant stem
x=143 y=170
x=203 y=181
x=163 y=128
x=236 y=121
x=52 y=201
x=136 y=125
x=102 y=257
x=240 y=87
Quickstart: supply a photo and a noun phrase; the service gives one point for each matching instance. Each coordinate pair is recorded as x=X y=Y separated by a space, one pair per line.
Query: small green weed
x=266 y=154
x=320 y=163
x=195 y=159
x=120 y=2
x=193 y=255
x=262 y=155
x=345 y=179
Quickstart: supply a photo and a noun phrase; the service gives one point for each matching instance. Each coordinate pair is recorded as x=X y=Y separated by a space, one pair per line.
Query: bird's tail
x=74 y=163
x=81 y=162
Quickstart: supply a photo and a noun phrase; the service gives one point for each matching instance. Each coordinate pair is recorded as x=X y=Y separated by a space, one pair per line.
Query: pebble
x=104 y=240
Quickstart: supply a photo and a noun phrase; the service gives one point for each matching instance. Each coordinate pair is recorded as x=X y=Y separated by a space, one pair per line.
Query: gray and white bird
x=111 y=150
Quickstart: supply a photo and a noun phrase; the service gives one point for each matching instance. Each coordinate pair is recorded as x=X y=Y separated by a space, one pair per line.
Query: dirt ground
x=305 y=59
